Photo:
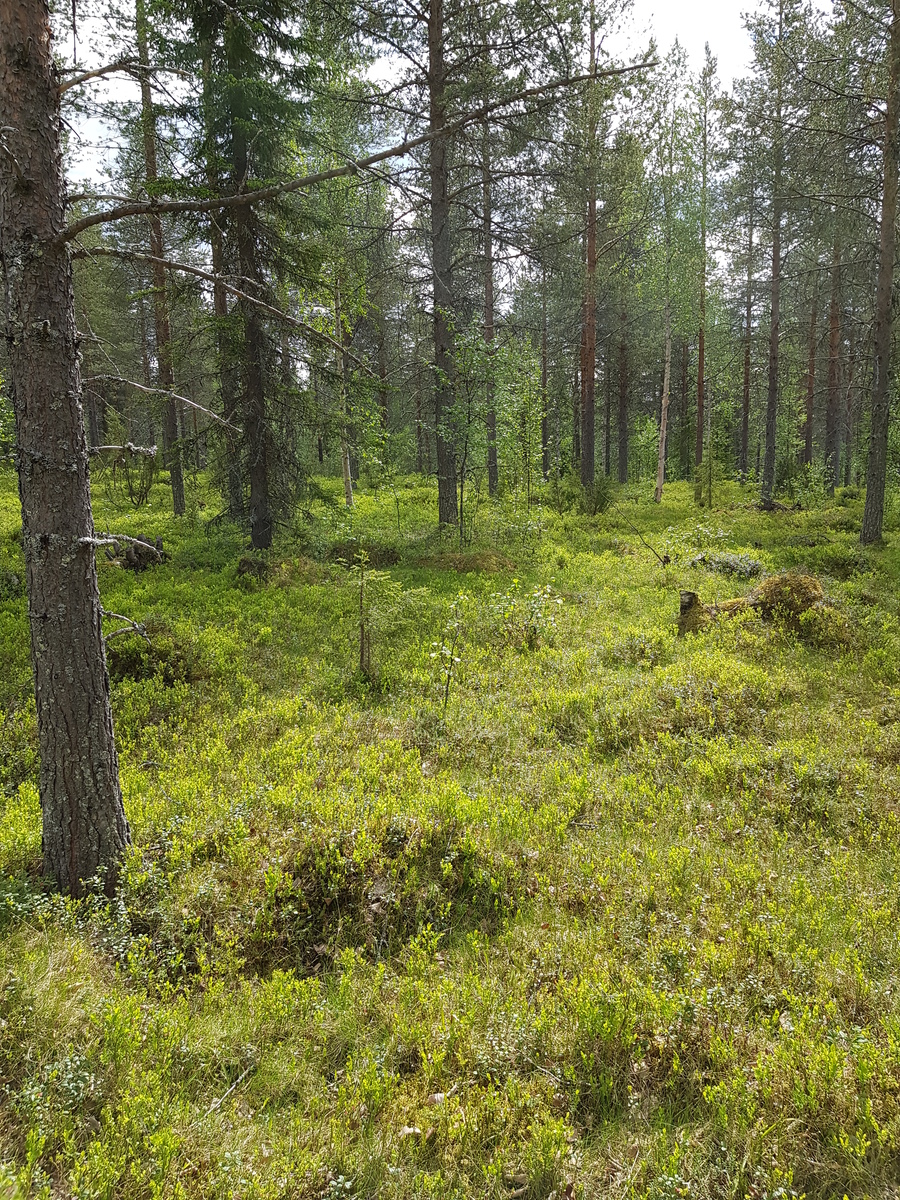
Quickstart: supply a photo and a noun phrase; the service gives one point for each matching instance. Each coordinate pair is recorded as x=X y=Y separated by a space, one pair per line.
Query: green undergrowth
x=514 y=894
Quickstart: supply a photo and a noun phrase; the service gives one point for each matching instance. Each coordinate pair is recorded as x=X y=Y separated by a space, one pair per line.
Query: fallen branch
x=664 y=559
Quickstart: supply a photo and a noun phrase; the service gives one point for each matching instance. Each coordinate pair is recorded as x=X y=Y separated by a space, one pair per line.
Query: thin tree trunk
x=228 y=386
x=876 y=466
x=701 y=333
x=256 y=418
x=164 y=369
x=488 y=237
x=664 y=407
x=623 y=408
x=748 y=330
x=545 y=403
x=607 y=411
x=810 y=384
x=85 y=832
x=442 y=266
x=589 y=308
x=768 y=478
x=833 y=403
x=341 y=334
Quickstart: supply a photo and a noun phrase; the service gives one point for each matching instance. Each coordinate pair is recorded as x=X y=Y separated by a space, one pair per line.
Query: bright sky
x=695 y=22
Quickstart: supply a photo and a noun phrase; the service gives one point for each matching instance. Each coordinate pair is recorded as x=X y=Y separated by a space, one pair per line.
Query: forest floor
x=612 y=913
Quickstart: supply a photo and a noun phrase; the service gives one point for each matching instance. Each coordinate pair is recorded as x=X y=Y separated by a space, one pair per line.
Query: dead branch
x=140 y=387
x=136 y=627
x=128 y=448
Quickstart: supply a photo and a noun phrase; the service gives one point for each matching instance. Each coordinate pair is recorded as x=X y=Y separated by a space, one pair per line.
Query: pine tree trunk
x=623 y=409
x=84 y=826
x=589 y=346
x=228 y=387
x=664 y=407
x=164 y=369
x=255 y=415
x=545 y=405
x=876 y=465
x=768 y=477
x=833 y=403
x=701 y=332
x=748 y=330
x=607 y=412
x=487 y=218
x=810 y=384
x=341 y=335
x=442 y=267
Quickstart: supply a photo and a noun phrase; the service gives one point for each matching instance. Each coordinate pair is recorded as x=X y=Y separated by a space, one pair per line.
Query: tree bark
x=165 y=373
x=487 y=218
x=545 y=403
x=701 y=332
x=833 y=403
x=623 y=408
x=748 y=330
x=442 y=266
x=664 y=407
x=84 y=826
x=589 y=307
x=228 y=386
x=876 y=466
x=810 y=383
x=768 y=478
x=255 y=416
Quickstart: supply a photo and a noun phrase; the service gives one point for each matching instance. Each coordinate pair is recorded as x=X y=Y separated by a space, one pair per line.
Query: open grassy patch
x=546 y=897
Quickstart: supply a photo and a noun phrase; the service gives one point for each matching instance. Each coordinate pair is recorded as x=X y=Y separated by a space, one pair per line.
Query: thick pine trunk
x=876 y=466
x=164 y=368
x=85 y=831
x=442 y=267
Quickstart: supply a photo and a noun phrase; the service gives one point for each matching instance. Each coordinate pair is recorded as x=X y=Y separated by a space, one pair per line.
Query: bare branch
x=140 y=387
x=142 y=208
x=130 y=626
x=130 y=65
x=109 y=540
x=123 y=64
x=128 y=448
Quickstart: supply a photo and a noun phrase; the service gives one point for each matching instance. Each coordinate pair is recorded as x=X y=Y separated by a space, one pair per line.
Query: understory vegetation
x=457 y=873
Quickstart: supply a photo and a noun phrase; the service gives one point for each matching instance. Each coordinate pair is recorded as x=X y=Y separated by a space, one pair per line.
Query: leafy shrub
x=525 y=620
